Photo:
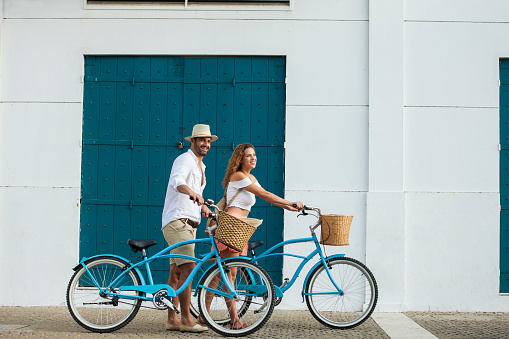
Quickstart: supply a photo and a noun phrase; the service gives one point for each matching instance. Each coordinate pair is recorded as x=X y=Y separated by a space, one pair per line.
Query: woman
x=238 y=177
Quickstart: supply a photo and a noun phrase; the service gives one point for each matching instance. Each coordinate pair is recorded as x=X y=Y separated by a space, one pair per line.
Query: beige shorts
x=177 y=231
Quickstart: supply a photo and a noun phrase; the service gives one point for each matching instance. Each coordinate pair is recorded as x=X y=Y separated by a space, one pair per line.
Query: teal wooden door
x=137 y=111
x=504 y=176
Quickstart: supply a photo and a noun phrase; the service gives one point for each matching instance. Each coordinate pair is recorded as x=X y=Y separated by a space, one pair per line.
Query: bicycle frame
x=305 y=260
x=270 y=252
x=152 y=288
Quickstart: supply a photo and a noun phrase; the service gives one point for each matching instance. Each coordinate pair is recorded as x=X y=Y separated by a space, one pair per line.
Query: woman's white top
x=245 y=199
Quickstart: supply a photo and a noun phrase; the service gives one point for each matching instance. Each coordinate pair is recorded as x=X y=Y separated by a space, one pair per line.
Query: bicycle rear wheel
x=96 y=312
x=347 y=309
x=254 y=290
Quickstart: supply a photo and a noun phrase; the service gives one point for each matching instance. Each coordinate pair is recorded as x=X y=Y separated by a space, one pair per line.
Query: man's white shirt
x=185 y=171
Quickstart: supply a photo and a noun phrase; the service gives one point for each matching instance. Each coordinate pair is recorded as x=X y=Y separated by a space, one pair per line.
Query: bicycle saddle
x=251 y=245
x=140 y=245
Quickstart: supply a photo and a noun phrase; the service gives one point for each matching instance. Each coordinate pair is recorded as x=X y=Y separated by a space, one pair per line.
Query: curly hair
x=235 y=161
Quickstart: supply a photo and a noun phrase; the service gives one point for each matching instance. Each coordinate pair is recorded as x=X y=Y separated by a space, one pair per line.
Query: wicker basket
x=232 y=231
x=335 y=229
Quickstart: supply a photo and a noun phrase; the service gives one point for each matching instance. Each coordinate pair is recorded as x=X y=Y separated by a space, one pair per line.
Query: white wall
x=452 y=252
x=385 y=206
x=393 y=120
x=41 y=105
x=452 y=51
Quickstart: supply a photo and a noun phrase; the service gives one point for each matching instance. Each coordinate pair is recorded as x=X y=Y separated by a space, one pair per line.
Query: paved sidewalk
x=52 y=322
x=463 y=325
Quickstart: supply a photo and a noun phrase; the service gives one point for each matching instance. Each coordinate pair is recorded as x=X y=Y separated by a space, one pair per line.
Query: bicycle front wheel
x=254 y=303
x=348 y=308
x=242 y=306
x=96 y=311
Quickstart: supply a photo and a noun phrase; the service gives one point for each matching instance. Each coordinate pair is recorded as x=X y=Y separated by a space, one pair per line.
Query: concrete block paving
x=52 y=322
x=56 y=322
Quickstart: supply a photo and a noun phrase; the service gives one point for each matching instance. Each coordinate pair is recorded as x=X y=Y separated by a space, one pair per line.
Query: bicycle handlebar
x=206 y=202
x=210 y=203
x=306 y=208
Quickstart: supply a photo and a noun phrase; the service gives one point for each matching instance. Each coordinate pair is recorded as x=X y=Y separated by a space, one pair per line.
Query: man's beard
x=201 y=151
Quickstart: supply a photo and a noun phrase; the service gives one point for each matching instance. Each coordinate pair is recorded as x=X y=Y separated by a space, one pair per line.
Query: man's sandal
x=171 y=327
x=194 y=329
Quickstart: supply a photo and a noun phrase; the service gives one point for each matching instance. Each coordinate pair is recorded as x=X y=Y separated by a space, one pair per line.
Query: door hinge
x=284 y=145
x=499 y=147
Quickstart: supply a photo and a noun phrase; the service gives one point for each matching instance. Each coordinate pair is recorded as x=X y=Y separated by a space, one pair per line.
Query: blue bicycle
x=106 y=291
x=340 y=292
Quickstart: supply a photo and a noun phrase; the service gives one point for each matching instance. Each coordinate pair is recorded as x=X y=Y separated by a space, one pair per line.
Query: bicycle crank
x=162 y=301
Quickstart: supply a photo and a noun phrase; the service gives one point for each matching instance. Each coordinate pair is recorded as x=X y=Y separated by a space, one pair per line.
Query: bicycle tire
x=259 y=290
x=98 y=313
x=193 y=305
x=195 y=310
x=354 y=305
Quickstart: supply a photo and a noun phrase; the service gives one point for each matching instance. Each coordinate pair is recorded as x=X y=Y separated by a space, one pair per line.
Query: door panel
x=137 y=110
x=504 y=176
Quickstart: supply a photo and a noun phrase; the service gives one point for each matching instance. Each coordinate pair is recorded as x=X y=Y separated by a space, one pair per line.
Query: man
x=183 y=208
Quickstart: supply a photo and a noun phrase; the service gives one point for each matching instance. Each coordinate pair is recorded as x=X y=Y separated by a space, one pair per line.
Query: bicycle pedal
x=170 y=305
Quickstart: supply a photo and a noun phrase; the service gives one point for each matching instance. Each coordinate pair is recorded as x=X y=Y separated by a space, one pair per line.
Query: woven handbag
x=335 y=229
x=233 y=232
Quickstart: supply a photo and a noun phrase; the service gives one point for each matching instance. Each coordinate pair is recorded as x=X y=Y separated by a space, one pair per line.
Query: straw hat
x=201 y=131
